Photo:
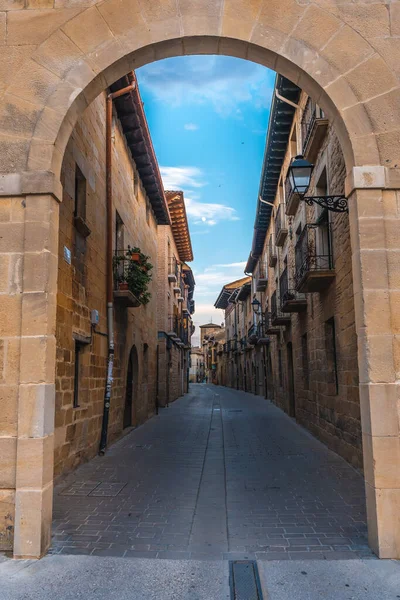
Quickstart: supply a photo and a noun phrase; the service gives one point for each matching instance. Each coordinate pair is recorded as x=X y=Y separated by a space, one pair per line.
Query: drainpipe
x=109 y=265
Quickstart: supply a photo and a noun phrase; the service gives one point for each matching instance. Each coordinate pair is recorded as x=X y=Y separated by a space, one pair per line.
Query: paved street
x=221 y=474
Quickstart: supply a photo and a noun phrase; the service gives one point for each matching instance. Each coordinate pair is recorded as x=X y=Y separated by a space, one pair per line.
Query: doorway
x=292 y=399
x=131 y=387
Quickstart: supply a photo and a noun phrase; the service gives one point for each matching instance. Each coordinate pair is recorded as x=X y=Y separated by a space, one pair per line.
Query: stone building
x=175 y=302
x=57 y=57
x=143 y=226
x=299 y=346
x=196 y=371
x=139 y=207
x=212 y=345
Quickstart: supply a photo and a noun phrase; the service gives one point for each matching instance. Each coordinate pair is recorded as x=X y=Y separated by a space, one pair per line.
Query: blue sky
x=208 y=117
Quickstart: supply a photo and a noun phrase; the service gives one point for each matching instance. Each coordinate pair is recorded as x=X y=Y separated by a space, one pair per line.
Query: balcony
x=262 y=276
x=272 y=254
x=314 y=259
x=257 y=336
x=314 y=126
x=252 y=334
x=243 y=343
x=291 y=299
x=178 y=330
x=269 y=328
x=173 y=270
x=122 y=278
x=280 y=226
x=292 y=199
x=277 y=316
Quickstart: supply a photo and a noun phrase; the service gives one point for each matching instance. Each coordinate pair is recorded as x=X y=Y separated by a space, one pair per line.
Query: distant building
x=196 y=372
x=175 y=301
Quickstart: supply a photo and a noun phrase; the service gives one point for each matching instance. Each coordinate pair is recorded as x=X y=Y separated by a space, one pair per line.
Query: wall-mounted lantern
x=299 y=174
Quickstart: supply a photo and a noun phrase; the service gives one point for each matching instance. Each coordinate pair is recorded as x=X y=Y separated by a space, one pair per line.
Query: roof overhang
x=131 y=114
x=179 y=224
x=244 y=292
x=280 y=124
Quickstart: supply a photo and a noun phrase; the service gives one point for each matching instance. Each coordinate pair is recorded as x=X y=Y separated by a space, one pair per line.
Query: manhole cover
x=79 y=488
x=244 y=580
x=107 y=489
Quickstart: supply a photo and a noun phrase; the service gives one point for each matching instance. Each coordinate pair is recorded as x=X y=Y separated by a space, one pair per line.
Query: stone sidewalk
x=221 y=474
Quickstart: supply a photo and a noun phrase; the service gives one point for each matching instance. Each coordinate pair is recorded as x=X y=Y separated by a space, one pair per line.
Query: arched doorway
x=348 y=68
x=131 y=389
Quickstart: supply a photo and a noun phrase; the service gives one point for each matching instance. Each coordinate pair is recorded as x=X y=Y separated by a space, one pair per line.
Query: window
x=80 y=194
x=331 y=355
x=77 y=371
x=304 y=359
x=119 y=234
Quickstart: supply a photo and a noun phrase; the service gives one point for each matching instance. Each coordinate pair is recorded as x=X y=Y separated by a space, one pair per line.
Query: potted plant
x=136 y=274
x=134 y=254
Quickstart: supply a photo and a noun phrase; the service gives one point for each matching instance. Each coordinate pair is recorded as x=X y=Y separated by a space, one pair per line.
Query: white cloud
x=234 y=265
x=191 y=127
x=180 y=178
x=208 y=213
x=200 y=213
x=223 y=81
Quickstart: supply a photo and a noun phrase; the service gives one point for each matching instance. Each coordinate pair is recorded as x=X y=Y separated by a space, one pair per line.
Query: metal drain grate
x=244 y=580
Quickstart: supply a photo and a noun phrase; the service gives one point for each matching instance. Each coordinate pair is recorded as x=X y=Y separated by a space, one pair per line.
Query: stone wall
x=332 y=413
x=81 y=288
x=172 y=359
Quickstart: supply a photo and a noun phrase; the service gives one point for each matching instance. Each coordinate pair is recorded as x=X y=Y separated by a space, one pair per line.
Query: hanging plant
x=132 y=271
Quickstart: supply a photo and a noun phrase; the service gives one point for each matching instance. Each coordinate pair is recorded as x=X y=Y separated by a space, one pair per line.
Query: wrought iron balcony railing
x=173 y=270
x=313 y=129
x=269 y=328
x=272 y=253
x=277 y=316
x=261 y=276
x=292 y=199
x=280 y=226
x=314 y=258
x=291 y=299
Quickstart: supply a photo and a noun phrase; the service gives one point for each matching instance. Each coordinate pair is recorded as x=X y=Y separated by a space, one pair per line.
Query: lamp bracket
x=335 y=203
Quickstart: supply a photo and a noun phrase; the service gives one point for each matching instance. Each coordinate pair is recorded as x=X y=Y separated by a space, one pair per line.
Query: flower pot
x=135 y=256
x=123 y=285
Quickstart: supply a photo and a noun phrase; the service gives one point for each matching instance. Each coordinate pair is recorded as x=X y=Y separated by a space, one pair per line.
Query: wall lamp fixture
x=299 y=174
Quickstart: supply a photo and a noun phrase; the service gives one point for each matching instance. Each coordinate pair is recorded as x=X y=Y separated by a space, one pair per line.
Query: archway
x=129 y=417
x=74 y=53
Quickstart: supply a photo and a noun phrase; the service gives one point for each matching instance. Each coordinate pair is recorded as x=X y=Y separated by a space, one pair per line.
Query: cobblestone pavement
x=221 y=474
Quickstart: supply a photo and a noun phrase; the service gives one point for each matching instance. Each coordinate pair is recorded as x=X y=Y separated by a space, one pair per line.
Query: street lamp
x=256 y=306
x=299 y=174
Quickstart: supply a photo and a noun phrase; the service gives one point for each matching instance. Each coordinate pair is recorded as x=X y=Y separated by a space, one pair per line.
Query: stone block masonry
x=81 y=288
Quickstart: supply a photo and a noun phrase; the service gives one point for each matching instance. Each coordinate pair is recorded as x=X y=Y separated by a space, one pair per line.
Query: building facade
x=349 y=66
x=116 y=224
x=175 y=302
x=297 y=344
x=196 y=372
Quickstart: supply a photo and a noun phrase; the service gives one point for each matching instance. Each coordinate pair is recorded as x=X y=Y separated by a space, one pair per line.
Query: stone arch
x=57 y=60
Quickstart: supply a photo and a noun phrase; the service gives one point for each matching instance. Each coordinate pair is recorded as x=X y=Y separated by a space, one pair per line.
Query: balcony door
x=323 y=242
